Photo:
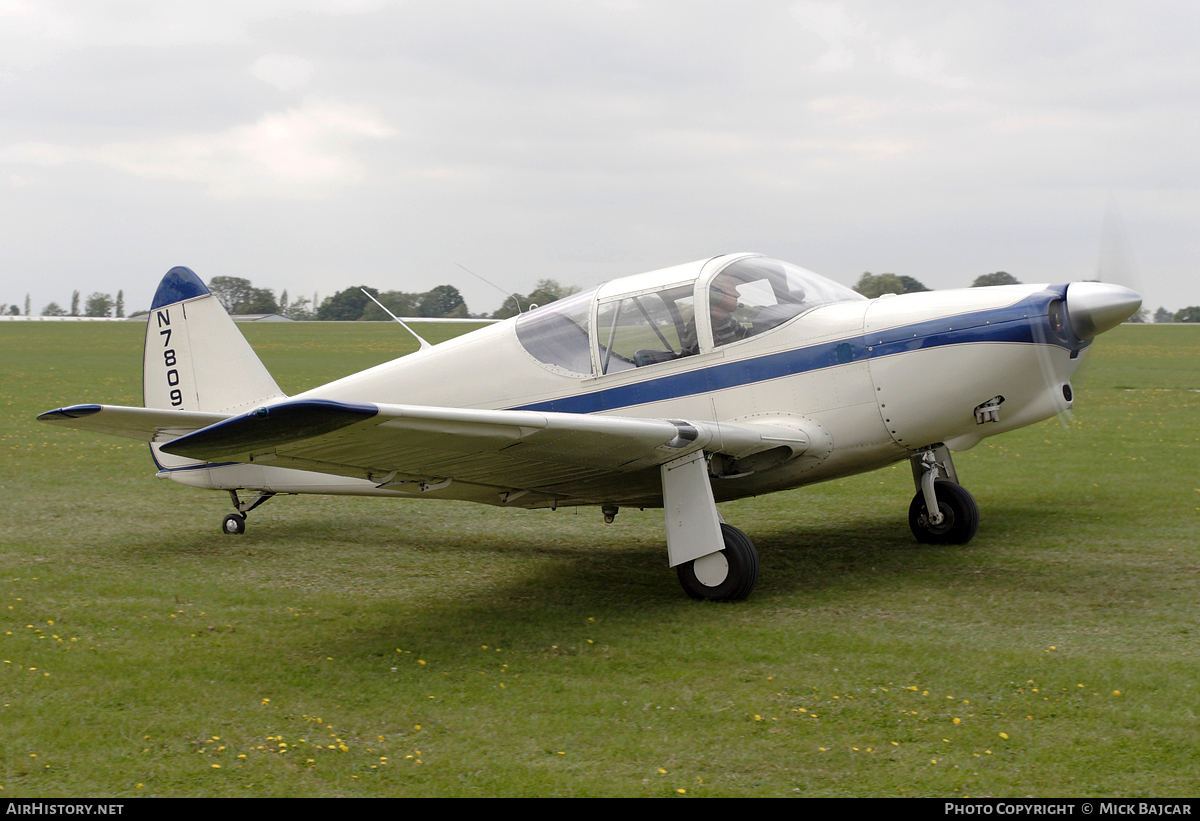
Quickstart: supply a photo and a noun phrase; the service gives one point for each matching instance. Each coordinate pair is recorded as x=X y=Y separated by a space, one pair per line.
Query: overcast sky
x=317 y=144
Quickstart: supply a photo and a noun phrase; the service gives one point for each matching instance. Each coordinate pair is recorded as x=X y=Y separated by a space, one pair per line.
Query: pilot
x=722 y=300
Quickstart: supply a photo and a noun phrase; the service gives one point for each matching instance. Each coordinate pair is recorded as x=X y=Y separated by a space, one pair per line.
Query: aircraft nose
x=1095 y=307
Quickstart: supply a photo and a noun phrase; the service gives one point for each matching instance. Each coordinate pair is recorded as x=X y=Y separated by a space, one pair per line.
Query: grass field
x=364 y=647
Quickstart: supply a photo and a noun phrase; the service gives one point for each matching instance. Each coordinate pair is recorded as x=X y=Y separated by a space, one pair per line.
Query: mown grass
x=375 y=647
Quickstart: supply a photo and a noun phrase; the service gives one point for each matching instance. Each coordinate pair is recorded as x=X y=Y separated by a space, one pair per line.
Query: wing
x=575 y=457
x=145 y=424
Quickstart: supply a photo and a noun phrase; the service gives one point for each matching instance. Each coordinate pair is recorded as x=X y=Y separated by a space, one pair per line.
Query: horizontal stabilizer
x=143 y=424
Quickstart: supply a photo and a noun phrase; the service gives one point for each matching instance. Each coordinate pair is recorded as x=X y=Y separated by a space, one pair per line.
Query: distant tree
x=26 y=304
x=98 y=304
x=300 y=310
x=238 y=296
x=515 y=304
x=53 y=309
x=1189 y=314
x=549 y=290
x=231 y=292
x=398 y=302
x=13 y=310
x=442 y=301
x=260 y=301
x=345 y=306
x=74 y=303
x=283 y=303
x=120 y=304
x=545 y=292
x=998 y=278
x=875 y=285
x=1163 y=315
x=1139 y=316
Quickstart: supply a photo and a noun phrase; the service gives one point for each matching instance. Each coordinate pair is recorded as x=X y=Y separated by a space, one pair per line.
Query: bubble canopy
x=648 y=319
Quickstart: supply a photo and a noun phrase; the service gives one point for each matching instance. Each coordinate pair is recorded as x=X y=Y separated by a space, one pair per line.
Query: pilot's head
x=723 y=296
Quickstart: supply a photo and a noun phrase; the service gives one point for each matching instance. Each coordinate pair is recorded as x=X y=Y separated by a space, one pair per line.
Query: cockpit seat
x=651 y=356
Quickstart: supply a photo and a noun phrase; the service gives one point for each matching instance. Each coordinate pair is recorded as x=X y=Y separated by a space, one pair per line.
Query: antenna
x=494 y=285
x=424 y=344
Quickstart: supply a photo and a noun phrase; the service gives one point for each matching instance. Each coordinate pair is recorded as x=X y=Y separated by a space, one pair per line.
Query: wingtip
x=70 y=412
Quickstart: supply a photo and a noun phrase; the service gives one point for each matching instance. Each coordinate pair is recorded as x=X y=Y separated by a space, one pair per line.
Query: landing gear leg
x=714 y=561
x=943 y=511
x=235 y=523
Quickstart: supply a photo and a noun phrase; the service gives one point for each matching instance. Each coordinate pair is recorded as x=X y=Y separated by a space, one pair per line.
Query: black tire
x=742 y=558
x=957 y=506
x=234 y=524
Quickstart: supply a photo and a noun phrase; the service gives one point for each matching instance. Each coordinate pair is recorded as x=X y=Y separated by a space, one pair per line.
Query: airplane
x=679 y=388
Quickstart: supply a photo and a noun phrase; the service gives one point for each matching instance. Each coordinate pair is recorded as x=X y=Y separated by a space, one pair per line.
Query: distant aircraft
x=679 y=388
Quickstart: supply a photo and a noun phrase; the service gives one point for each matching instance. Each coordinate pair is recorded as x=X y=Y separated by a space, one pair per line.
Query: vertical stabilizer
x=195 y=357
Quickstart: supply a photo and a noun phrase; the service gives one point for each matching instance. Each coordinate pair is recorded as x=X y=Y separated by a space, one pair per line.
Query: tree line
x=240 y=297
x=97 y=305
x=876 y=285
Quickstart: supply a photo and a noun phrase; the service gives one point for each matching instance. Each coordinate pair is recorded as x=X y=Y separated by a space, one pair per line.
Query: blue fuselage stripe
x=1022 y=323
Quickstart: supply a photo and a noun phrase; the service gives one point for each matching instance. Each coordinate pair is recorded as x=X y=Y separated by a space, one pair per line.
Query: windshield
x=757 y=294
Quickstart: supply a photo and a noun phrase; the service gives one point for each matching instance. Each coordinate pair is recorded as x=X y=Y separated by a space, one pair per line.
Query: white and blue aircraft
x=679 y=388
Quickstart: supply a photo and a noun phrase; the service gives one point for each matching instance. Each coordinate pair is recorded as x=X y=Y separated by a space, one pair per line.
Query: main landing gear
x=943 y=511
x=235 y=523
x=714 y=561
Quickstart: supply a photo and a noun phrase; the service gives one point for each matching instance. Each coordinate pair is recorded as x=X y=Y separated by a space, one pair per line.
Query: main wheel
x=728 y=575
x=234 y=524
x=961 y=515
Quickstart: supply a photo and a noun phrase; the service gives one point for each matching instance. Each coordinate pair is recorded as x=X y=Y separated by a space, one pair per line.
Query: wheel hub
x=711 y=570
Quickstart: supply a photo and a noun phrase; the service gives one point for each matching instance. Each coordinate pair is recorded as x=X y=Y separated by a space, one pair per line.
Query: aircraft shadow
x=550 y=578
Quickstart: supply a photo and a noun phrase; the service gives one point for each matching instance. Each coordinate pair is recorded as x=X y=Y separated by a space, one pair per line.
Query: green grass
x=377 y=647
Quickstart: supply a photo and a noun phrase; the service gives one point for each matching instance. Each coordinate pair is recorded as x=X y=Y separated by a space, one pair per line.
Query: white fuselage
x=868 y=382
x=869 y=411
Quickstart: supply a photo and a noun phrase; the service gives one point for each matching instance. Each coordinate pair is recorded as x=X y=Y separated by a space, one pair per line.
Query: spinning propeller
x=1092 y=306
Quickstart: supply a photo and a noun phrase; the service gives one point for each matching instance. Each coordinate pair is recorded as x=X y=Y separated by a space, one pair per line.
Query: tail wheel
x=727 y=575
x=234 y=524
x=959 y=511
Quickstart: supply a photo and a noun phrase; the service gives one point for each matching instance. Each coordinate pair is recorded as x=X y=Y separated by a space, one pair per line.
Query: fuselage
x=869 y=382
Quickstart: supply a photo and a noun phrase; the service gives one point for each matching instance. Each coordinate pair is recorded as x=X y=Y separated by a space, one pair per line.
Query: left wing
x=513 y=451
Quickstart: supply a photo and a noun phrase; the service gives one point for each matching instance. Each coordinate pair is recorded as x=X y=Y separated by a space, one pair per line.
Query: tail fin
x=195 y=358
